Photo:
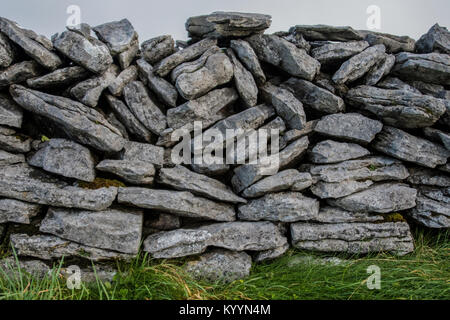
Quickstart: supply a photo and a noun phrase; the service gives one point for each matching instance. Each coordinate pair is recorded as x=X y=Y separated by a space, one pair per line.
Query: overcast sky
x=155 y=17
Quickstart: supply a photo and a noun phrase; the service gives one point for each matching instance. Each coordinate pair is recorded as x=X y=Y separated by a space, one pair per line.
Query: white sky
x=151 y=18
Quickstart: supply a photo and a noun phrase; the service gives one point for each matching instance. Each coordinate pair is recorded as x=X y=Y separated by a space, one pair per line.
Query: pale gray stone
x=326 y=190
x=19 y=72
x=25 y=183
x=380 y=70
x=325 y=32
x=156 y=49
x=349 y=126
x=433 y=208
x=125 y=77
x=8 y=52
x=438 y=135
x=353 y=238
x=10 y=158
x=220 y=265
x=404 y=146
x=400 y=108
x=429 y=177
x=393 y=43
x=118 y=35
x=436 y=39
x=330 y=151
x=80 y=123
x=334 y=53
x=271 y=253
x=210 y=169
x=181 y=203
x=111 y=229
x=285 y=55
x=14 y=142
x=59 y=78
x=17 y=211
x=126 y=58
x=136 y=151
x=10 y=112
x=282 y=206
x=248 y=57
x=181 y=178
x=329 y=214
x=244 y=81
x=11 y=266
x=294 y=134
x=132 y=171
x=397 y=84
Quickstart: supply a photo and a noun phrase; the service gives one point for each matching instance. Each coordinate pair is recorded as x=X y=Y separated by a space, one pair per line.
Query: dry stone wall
x=87 y=124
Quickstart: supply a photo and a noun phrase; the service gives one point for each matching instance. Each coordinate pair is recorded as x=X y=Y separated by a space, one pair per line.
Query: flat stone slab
x=428 y=177
x=330 y=151
x=244 y=81
x=156 y=49
x=19 y=72
x=132 y=171
x=393 y=43
x=146 y=152
x=17 y=211
x=328 y=214
x=10 y=158
x=337 y=52
x=433 y=208
x=325 y=32
x=10 y=112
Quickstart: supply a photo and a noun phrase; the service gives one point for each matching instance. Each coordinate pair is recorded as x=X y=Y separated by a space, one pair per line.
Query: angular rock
x=330 y=151
x=282 y=206
x=325 y=32
x=181 y=178
x=395 y=83
x=436 y=39
x=10 y=158
x=380 y=70
x=359 y=65
x=135 y=172
x=59 y=78
x=144 y=108
x=156 y=49
x=181 y=203
x=349 y=126
x=80 y=123
x=19 y=72
x=285 y=104
x=315 y=97
x=112 y=229
x=429 y=177
x=353 y=238
x=244 y=81
x=248 y=57
x=166 y=65
x=126 y=58
x=285 y=55
x=14 y=142
x=118 y=35
x=17 y=211
x=334 y=53
x=283 y=180
x=337 y=215
x=32 y=48
x=48 y=247
x=10 y=113
x=24 y=183
x=135 y=151
x=65 y=158
x=334 y=190
x=393 y=43
x=7 y=52
x=124 y=78
x=379 y=198
x=427 y=67
x=271 y=253
x=433 y=208
x=84 y=50
x=404 y=146
x=295 y=134
x=220 y=265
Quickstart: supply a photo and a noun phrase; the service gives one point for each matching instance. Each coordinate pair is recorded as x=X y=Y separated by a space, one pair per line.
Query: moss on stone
x=393 y=217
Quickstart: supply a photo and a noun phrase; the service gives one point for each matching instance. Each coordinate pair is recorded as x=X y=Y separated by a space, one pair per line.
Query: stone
x=285 y=55
x=428 y=67
x=48 y=247
x=286 y=105
x=118 y=35
x=30 y=46
x=163 y=89
x=333 y=53
x=404 y=146
x=353 y=238
x=282 y=206
x=19 y=72
x=380 y=70
x=248 y=57
x=358 y=65
x=436 y=39
x=438 y=135
x=295 y=134
x=25 y=183
x=10 y=112
x=65 y=158
x=314 y=97
x=393 y=43
x=289 y=179
x=334 y=190
x=181 y=178
x=432 y=89
x=395 y=83
x=220 y=266
x=400 y=108
x=127 y=57
x=328 y=214
x=208 y=109
x=135 y=172
x=13 y=142
x=248 y=174
x=379 y=198
x=11 y=266
x=84 y=50
x=125 y=77
x=330 y=151
x=17 y=211
x=111 y=229
x=146 y=152
x=164 y=221
x=433 y=208
x=211 y=169
x=80 y=123
x=166 y=65
x=194 y=79
x=89 y=91
x=10 y=158
x=325 y=32
x=124 y=115
x=177 y=243
x=8 y=52
x=181 y=203
x=244 y=81
x=59 y=78
x=156 y=49
x=271 y=253
x=222 y=24
x=349 y=126
x=144 y=107
x=429 y=177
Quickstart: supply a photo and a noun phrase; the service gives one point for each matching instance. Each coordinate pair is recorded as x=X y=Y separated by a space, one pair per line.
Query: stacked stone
x=364 y=118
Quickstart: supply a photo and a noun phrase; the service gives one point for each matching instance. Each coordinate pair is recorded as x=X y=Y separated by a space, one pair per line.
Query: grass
x=425 y=274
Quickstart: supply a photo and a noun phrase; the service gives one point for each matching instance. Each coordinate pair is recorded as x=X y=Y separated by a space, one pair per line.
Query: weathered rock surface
x=19 y=72
x=79 y=122
x=404 y=146
x=393 y=43
x=429 y=177
x=325 y=32
x=244 y=81
x=17 y=211
x=13 y=142
x=333 y=53
x=10 y=158
x=8 y=52
x=349 y=126
x=330 y=151
x=10 y=113
x=59 y=78
x=433 y=208
x=118 y=35
x=329 y=214
x=380 y=70
x=156 y=49
x=181 y=203
x=283 y=206
x=354 y=238
x=326 y=190
x=125 y=77
x=248 y=57
x=436 y=39
x=132 y=171
x=111 y=229
x=136 y=151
